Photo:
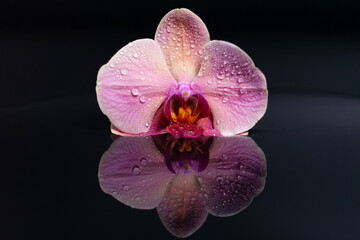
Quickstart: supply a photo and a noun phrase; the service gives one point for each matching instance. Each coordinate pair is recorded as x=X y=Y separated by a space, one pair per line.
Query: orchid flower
x=184 y=179
x=181 y=83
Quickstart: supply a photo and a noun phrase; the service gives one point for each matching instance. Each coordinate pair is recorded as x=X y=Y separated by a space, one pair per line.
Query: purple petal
x=134 y=172
x=181 y=210
x=234 y=88
x=182 y=36
x=132 y=86
x=235 y=175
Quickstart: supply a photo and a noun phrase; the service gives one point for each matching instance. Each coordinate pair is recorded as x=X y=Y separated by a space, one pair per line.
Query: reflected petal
x=134 y=172
x=181 y=210
x=234 y=88
x=235 y=175
x=182 y=36
x=132 y=86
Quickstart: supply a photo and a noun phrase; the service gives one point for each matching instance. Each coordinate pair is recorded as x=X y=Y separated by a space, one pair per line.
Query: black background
x=53 y=134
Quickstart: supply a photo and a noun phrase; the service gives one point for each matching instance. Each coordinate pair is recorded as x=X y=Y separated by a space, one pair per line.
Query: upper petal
x=182 y=36
x=134 y=172
x=133 y=85
x=181 y=210
x=234 y=176
x=234 y=88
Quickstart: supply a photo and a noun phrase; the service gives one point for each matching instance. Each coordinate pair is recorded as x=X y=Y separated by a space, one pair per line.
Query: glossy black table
x=51 y=153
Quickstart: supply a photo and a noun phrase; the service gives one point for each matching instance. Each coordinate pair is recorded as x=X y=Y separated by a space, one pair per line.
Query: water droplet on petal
x=134 y=92
x=146 y=124
x=136 y=170
x=218 y=122
x=124 y=71
x=220 y=76
x=142 y=99
x=111 y=65
x=192 y=45
x=168 y=29
x=141 y=72
x=183 y=68
x=135 y=55
x=225 y=99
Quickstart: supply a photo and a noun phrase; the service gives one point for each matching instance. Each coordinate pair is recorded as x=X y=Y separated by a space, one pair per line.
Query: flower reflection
x=184 y=179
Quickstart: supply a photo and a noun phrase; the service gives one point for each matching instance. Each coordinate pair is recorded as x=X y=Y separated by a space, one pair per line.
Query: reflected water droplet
x=219 y=179
x=126 y=188
x=143 y=162
x=136 y=170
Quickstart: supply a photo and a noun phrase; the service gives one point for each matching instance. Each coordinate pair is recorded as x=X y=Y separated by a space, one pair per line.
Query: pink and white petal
x=157 y=127
x=234 y=88
x=182 y=36
x=181 y=210
x=235 y=175
x=134 y=172
x=133 y=84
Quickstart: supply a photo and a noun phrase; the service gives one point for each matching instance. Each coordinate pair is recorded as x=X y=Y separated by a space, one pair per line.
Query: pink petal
x=157 y=127
x=234 y=176
x=181 y=210
x=182 y=36
x=134 y=172
x=133 y=84
x=234 y=88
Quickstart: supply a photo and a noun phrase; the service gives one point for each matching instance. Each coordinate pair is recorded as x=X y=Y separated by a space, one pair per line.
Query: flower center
x=185 y=115
x=184 y=108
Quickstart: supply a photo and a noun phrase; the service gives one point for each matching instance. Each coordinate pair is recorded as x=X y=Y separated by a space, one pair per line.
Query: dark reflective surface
x=50 y=161
x=186 y=180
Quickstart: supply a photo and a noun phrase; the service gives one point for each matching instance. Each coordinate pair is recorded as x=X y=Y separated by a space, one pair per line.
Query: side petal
x=133 y=84
x=181 y=210
x=234 y=88
x=182 y=36
x=235 y=175
x=157 y=126
x=134 y=172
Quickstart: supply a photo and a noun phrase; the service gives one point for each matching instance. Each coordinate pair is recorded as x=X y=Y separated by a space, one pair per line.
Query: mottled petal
x=235 y=175
x=181 y=210
x=234 y=88
x=134 y=172
x=133 y=84
x=182 y=36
